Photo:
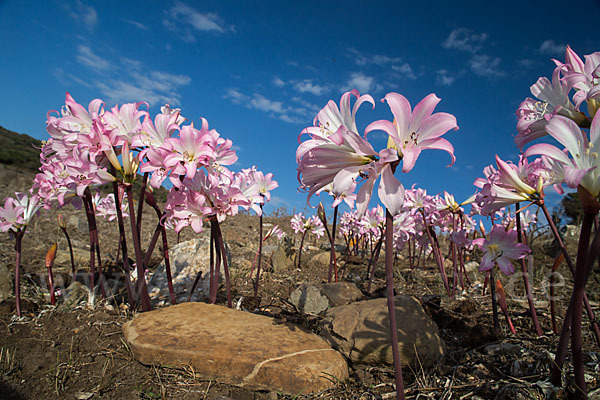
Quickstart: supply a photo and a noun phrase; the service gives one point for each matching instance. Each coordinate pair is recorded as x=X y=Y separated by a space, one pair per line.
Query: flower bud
x=61 y=222
x=51 y=255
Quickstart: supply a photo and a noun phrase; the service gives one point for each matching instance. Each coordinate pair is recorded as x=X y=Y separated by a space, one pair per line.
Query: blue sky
x=260 y=71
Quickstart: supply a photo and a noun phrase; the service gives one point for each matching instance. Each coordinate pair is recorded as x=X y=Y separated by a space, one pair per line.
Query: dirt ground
x=53 y=353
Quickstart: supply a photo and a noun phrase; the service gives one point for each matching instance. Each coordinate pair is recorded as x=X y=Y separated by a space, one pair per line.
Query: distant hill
x=19 y=149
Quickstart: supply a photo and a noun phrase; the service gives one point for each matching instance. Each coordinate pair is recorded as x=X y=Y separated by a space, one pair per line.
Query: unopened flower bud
x=61 y=222
x=51 y=255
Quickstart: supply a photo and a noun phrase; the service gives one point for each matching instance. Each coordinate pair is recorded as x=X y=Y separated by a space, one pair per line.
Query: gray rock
x=502 y=348
x=340 y=293
x=6 y=282
x=187 y=260
x=76 y=294
x=309 y=300
x=280 y=260
x=316 y=298
x=360 y=331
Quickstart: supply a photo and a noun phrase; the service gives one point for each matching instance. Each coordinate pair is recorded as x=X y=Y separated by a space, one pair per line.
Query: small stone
x=76 y=294
x=502 y=348
x=187 y=260
x=309 y=300
x=6 y=282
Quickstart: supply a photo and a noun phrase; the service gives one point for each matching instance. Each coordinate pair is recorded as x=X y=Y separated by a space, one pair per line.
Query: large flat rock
x=235 y=347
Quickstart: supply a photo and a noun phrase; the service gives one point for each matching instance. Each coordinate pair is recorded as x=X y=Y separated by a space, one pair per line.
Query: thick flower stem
x=19 y=238
x=64 y=230
x=578 y=292
x=454 y=258
x=150 y=200
x=332 y=258
x=389 y=281
x=139 y=260
x=89 y=212
x=300 y=249
x=222 y=250
x=214 y=269
x=141 y=205
x=373 y=262
x=123 y=243
x=563 y=249
x=436 y=252
x=494 y=304
x=260 y=243
x=532 y=311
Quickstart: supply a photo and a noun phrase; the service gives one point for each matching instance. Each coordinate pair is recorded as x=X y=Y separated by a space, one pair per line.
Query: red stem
x=19 y=238
x=532 y=311
x=139 y=260
x=389 y=281
x=260 y=243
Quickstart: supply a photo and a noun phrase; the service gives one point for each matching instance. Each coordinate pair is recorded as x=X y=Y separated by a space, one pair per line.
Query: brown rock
x=360 y=331
x=340 y=293
x=235 y=347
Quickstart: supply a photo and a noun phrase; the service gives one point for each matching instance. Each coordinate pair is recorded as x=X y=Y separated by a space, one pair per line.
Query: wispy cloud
x=464 y=40
x=276 y=109
x=480 y=64
x=377 y=59
x=487 y=66
x=82 y=13
x=552 y=48
x=395 y=64
x=87 y=57
x=137 y=24
x=405 y=70
x=278 y=82
x=307 y=86
x=128 y=80
x=361 y=82
x=182 y=15
x=444 y=78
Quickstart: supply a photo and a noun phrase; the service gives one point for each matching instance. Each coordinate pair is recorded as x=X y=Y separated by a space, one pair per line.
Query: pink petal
x=401 y=109
x=423 y=110
x=391 y=191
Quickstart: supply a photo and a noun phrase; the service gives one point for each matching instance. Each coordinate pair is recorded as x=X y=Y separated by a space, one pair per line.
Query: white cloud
x=377 y=59
x=276 y=109
x=307 y=86
x=82 y=13
x=405 y=70
x=260 y=102
x=485 y=65
x=132 y=81
x=137 y=24
x=361 y=82
x=87 y=57
x=444 y=78
x=181 y=13
x=551 y=48
x=464 y=40
x=278 y=82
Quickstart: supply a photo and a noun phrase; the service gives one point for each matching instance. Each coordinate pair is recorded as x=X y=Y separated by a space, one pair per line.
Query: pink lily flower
x=582 y=168
x=192 y=150
x=414 y=131
x=500 y=249
x=125 y=121
x=329 y=120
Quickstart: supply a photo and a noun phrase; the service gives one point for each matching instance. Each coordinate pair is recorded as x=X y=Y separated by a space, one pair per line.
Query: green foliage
x=19 y=149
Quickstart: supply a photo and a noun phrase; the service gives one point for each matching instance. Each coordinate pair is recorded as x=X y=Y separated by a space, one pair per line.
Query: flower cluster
x=90 y=147
x=336 y=158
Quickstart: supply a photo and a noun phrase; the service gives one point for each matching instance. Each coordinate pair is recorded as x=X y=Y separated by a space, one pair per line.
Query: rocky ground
x=79 y=351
